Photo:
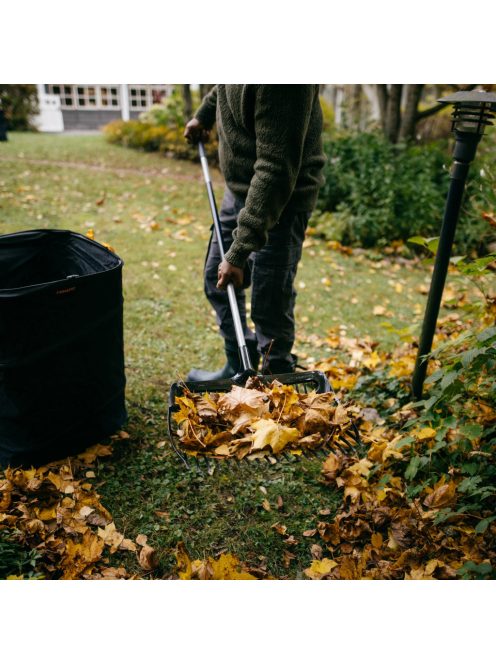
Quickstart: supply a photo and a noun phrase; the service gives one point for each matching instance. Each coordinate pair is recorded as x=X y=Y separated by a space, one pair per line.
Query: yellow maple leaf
x=271 y=434
x=372 y=360
x=228 y=567
x=79 y=555
x=320 y=568
x=425 y=434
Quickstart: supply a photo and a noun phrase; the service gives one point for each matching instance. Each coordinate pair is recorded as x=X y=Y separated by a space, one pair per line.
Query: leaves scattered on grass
x=55 y=511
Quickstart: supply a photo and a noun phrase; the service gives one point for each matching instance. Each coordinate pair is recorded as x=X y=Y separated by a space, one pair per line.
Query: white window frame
x=110 y=97
x=76 y=106
x=149 y=89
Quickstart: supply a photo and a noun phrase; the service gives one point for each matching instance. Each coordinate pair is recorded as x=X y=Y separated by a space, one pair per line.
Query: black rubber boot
x=231 y=367
x=281 y=366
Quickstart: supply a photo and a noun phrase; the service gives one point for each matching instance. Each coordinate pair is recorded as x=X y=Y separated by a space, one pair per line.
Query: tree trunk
x=382 y=97
x=356 y=105
x=188 y=102
x=409 y=119
x=393 y=113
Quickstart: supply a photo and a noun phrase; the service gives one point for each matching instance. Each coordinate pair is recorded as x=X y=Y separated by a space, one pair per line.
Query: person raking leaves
x=270 y=153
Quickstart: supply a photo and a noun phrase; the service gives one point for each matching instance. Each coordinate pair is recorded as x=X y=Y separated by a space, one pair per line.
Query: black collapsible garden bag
x=62 y=377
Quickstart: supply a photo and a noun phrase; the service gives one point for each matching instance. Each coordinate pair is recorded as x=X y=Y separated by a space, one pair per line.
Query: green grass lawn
x=154 y=212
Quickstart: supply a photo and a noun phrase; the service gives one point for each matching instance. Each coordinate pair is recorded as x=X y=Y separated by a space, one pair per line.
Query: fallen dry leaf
x=320 y=568
x=148 y=558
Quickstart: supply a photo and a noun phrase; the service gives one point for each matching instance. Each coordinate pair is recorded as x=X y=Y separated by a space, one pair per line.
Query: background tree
x=187 y=101
x=19 y=103
x=399 y=108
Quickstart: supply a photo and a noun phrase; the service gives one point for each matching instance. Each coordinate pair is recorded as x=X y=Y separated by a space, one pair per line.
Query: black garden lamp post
x=473 y=111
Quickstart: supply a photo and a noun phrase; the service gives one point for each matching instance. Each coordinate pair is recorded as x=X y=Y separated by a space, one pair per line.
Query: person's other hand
x=229 y=274
x=195 y=132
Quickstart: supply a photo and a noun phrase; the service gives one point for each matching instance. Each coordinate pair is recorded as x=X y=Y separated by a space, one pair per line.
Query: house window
x=138 y=98
x=65 y=92
x=86 y=96
x=105 y=96
x=109 y=96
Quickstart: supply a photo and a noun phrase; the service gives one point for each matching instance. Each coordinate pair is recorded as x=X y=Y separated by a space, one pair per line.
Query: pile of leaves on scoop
x=55 y=513
x=259 y=420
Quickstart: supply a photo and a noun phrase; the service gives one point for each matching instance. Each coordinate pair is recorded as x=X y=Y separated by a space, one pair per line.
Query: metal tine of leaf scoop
x=345 y=445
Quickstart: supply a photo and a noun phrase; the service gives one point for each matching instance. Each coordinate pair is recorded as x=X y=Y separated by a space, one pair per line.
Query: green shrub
x=383 y=191
x=160 y=129
x=150 y=138
x=19 y=103
x=378 y=192
x=476 y=231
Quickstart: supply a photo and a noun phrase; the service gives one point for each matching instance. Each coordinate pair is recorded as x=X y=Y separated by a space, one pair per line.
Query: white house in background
x=84 y=107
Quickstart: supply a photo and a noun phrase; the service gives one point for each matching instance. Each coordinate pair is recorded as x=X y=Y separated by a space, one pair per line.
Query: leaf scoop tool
x=304 y=381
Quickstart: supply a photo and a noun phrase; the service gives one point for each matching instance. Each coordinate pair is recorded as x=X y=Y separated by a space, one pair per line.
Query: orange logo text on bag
x=65 y=291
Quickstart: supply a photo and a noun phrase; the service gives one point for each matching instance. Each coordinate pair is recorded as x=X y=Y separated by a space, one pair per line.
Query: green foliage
x=378 y=192
x=19 y=103
x=327 y=117
x=160 y=129
x=155 y=138
x=169 y=113
x=16 y=560
x=476 y=231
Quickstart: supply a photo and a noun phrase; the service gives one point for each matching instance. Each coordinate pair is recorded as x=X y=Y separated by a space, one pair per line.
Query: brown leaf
x=287 y=557
x=266 y=505
x=128 y=545
x=148 y=558
x=316 y=551
x=331 y=467
x=241 y=399
x=279 y=528
x=309 y=533
x=376 y=540
x=442 y=496
x=111 y=536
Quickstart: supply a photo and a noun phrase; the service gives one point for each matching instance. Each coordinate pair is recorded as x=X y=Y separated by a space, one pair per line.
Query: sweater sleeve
x=206 y=113
x=282 y=115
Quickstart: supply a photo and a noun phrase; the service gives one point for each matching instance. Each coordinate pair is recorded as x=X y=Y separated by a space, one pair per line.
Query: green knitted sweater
x=270 y=153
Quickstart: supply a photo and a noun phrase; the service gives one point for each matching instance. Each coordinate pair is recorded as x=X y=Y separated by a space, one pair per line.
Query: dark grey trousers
x=272 y=272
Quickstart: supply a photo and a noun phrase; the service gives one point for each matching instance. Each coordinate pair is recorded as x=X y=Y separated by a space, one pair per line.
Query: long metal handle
x=233 y=303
